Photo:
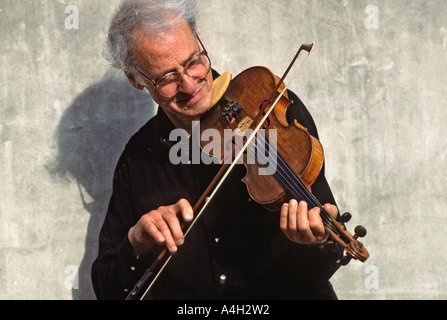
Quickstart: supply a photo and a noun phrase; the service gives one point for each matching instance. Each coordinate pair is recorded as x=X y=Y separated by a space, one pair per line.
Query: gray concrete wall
x=375 y=84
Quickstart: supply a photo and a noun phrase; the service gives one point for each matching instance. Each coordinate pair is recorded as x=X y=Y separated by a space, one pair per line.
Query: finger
x=183 y=208
x=141 y=239
x=164 y=228
x=174 y=227
x=303 y=222
x=284 y=221
x=292 y=217
x=283 y=218
x=151 y=229
x=316 y=224
x=331 y=209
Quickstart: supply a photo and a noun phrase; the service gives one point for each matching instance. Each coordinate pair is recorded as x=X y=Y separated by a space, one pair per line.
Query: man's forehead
x=153 y=49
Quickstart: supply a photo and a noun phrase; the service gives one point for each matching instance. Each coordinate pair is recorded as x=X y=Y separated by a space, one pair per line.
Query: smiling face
x=170 y=52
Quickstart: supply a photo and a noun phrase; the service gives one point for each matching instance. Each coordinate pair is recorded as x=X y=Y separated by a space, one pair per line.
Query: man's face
x=171 y=52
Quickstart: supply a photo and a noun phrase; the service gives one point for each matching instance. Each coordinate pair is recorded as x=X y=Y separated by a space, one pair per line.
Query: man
x=237 y=250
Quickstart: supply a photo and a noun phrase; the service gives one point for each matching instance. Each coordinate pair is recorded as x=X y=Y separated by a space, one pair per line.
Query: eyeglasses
x=197 y=68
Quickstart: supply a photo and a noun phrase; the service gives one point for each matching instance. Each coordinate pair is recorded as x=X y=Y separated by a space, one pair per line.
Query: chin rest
x=220 y=87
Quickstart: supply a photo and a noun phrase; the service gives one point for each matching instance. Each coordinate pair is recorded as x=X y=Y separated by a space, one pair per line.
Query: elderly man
x=238 y=249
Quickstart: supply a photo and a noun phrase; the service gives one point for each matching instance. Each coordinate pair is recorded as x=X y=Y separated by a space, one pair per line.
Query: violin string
x=298 y=185
x=291 y=182
x=288 y=175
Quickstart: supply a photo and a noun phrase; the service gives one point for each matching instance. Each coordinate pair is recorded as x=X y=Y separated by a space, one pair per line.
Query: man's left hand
x=302 y=225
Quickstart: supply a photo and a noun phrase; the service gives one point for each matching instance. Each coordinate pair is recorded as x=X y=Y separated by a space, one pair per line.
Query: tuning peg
x=345 y=217
x=360 y=232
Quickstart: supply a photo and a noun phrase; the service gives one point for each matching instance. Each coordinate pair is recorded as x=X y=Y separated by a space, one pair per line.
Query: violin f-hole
x=262 y=106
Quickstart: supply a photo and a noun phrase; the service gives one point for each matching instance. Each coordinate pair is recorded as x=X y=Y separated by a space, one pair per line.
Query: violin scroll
x=353 y=247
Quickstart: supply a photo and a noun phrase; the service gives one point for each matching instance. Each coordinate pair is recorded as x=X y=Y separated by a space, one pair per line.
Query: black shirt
x=235 y=251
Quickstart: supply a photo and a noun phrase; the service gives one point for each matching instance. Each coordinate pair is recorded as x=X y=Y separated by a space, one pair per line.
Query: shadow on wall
x=91 y=136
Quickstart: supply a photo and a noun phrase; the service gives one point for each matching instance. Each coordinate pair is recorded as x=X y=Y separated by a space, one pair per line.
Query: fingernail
x=293 y=202
x=179 y=242
x=303 y=203
x=189 y=214
x=173 y=248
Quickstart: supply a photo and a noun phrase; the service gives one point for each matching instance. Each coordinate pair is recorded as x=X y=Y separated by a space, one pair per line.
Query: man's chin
x=197 y=108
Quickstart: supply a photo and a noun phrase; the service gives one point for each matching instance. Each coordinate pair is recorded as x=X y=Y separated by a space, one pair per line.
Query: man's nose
x=188 y=85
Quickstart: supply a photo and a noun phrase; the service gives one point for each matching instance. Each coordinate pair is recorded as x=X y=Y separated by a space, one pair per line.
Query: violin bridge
x=243 y=126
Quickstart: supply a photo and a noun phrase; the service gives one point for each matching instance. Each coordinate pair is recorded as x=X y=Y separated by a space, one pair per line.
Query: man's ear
x=133 y=81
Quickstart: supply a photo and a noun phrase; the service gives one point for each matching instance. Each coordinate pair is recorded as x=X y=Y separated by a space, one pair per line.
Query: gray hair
x=149 y=17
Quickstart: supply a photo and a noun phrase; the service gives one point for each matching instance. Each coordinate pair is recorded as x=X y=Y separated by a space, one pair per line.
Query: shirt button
x=216 y=240
x=132 y=268
x=223 y=277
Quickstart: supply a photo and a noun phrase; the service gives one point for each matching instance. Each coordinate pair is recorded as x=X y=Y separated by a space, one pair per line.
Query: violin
x=255 y=102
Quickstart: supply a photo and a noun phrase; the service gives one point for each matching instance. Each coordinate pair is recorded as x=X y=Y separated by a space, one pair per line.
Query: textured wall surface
x=375 y=84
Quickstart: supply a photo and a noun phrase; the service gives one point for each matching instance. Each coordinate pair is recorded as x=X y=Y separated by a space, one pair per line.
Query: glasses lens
x=197 y=69
x=168 y=85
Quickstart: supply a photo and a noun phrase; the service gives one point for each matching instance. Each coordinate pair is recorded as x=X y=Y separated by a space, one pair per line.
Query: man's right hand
x=161 y=226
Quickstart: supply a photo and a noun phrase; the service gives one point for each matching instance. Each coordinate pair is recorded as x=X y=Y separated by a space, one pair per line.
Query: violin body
x=303 y=152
